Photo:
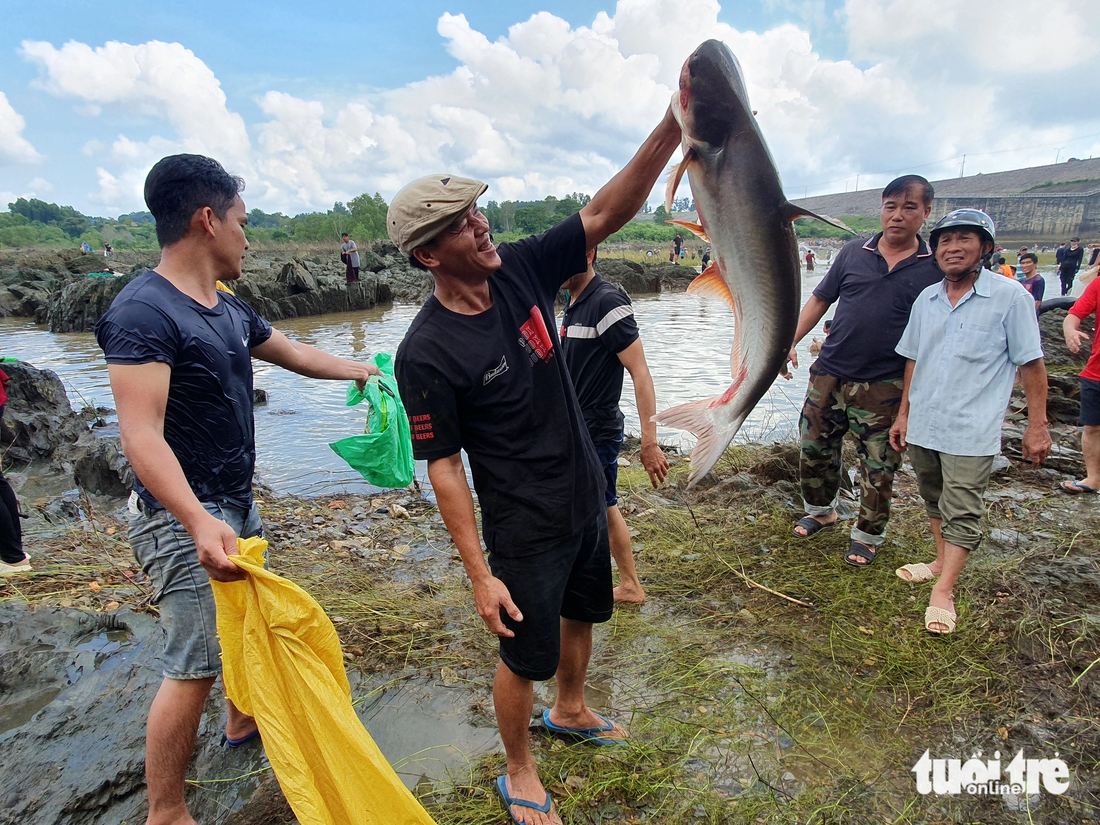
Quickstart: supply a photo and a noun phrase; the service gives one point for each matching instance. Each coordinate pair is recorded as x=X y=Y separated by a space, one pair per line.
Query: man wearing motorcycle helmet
x=965 y=340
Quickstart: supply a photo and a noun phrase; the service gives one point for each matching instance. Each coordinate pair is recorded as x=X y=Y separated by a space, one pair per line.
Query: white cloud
x=40 y=187
x=14 y=148
x=552 y=107
x=160 y=80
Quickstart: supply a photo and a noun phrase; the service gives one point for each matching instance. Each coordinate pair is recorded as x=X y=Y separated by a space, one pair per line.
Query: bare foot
x=629 y=594
x=524 y=784
x=586 y=719
x=946 y=602
x=799 y=530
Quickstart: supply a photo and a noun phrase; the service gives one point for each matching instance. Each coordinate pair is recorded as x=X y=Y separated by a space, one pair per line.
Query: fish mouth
x=713 y=100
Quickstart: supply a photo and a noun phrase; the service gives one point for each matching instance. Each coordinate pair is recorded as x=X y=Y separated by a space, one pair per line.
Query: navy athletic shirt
x=495 y=384
x=873 y=304
x=595 y=328
x=208 y=421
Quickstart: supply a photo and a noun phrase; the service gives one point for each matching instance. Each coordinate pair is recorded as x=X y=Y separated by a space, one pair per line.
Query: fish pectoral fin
x=694 y=228
x=713 y=285
x=675 y=175
x=796 y=212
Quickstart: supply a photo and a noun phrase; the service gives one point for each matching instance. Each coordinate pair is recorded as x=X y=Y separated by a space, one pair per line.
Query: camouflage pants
x=834 y=407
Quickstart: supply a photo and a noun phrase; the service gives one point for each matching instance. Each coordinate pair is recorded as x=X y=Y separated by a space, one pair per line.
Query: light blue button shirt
x=966 y=357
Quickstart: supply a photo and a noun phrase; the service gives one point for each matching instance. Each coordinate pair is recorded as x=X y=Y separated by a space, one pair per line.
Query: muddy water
x=686 y=337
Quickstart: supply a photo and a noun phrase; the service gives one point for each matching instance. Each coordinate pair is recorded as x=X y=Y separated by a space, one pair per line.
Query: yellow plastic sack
x=282 y=665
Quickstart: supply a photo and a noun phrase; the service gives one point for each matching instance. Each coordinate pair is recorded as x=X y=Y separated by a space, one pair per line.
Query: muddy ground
x=806 y=702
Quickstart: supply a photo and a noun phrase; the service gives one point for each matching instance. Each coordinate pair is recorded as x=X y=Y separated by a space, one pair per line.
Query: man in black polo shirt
x=599 y=337
x=480 y=370
x=1069 y=264
x=856 y=383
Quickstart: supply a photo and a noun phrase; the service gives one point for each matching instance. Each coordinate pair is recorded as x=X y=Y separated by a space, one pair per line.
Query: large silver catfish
x=747 y=221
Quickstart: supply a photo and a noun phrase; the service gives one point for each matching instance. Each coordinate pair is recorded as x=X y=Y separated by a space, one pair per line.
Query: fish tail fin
x=713 y=440
x=675 y=175
x=796 y=212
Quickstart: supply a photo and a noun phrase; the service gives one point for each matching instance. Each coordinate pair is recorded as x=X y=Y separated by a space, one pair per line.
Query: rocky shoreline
x=58 y=288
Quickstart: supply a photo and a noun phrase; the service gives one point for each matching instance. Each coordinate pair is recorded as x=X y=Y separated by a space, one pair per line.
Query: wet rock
x=1009 y=538
x=38 y=424
x=104 y=470
x=259 y=397
x=80 y=303
x=1055 y=351
x=635 y=278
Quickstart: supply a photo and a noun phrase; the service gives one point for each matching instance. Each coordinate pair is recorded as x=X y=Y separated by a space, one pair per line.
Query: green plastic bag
x=383 y=454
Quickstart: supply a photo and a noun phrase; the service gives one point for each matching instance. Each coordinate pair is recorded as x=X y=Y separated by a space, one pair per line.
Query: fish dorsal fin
x=694 y=228
x=796 y=212
x=713 y=285
x=675 y=175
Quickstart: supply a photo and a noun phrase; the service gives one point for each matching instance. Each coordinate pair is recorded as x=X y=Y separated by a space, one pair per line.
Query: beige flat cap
x=426 y=206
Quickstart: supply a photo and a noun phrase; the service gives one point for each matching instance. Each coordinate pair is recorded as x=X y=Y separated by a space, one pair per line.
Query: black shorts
x=570 y=579
x=1090 y=402
x=608 y=454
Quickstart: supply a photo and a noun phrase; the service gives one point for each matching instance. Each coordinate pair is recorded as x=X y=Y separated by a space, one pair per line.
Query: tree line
x=33 y=222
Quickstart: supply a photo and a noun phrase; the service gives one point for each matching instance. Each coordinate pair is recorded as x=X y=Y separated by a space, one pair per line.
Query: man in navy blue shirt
x=856 y=383
x=179 y=354
x=599 y=338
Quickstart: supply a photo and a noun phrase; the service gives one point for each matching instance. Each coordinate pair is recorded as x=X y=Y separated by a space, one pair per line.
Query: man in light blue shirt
x=966 y=337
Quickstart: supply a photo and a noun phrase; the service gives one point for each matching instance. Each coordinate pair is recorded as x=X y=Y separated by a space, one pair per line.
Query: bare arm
x=621 y=197
x=456 y=505
x=901 y=423
x=1071 y=329
x=811 y=314
x=310 y=361
x=1036 y=443
x=653 y=457
x=141 y=396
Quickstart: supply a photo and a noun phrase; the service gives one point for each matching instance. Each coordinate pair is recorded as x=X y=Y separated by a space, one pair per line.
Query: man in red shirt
x=1090 y=389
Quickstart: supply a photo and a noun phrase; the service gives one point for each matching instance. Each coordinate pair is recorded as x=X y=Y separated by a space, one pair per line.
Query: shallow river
x=686 y=338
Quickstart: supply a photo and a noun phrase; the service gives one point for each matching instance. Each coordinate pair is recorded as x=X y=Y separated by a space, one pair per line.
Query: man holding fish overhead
x=856 y=383
x=481 y=370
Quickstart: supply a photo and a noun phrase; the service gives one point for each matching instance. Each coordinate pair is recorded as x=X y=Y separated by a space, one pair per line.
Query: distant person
x=1094 y=255
x=829 y=256
x=599 y=338
x=1033 y=282
x=1020 y=254
x=107 y=251
x=351 y=261
x=965 y=340
x=1060 y=253
x=13 y=561
x=809 y=260
x=856 y=383
x=179 y=356
x=705 y=260
x=677 y=243
x=693 y=254
x=85 y=248
x=672 y=254
x=1070 y=263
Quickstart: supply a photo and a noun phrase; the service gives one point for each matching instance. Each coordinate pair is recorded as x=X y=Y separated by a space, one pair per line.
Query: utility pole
x=1058 y=154
x=962 y=169
x=857 y=183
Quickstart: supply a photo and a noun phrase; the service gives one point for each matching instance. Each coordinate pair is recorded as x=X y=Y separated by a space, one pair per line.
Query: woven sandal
x=937 y=615
x=919 y=572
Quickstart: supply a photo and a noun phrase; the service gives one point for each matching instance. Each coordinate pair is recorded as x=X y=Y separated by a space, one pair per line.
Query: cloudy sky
x=318 y=102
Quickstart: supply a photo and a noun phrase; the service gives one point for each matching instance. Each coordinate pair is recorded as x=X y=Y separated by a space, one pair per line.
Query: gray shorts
x=181 y=586
x=952 y=487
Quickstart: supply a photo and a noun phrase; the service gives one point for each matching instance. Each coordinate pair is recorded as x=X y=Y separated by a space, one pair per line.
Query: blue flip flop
x=236 y=743
x=586 y=734
x=509 y=801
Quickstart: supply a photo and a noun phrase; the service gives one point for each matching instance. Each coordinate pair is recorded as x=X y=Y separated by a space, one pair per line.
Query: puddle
x=427 y=731
x=21 y=708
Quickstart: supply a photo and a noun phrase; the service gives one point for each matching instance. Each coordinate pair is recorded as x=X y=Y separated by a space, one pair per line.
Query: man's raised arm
x=621 y=197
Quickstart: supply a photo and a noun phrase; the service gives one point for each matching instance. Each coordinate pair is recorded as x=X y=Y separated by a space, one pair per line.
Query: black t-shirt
x=872 y=309
x=495 y=384
x=594 y=330
x=1072 y=260
x=208 y=420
